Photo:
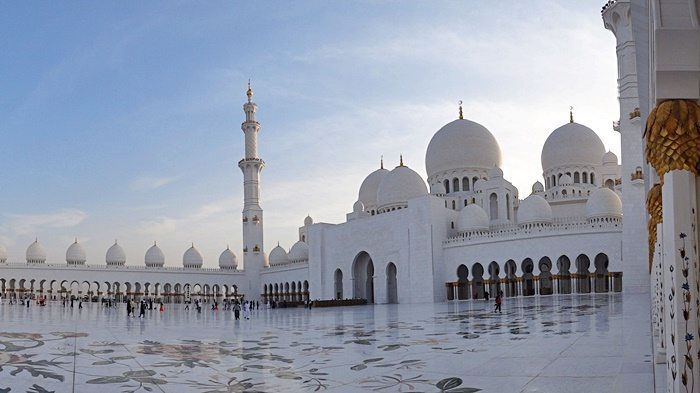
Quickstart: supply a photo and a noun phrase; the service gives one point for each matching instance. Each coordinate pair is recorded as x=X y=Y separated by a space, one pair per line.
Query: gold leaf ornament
x=672 y=136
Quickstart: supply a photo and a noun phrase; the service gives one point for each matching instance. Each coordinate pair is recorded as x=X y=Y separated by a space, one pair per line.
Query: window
x=452 y=224
x=465 y=202
x=454 y=205
x=508 y=206
x=554 y=181
x=577 y=177
x=592 y=178
x=455 y=185
x=465 y=184
x=474 y=179
x=447 y=186
x=493 y=202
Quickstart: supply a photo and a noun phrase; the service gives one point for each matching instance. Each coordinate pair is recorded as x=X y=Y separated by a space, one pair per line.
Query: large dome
x=400 y=185
x=603 y=203
x=462 y=144
x=278 y=256
x=369 y=187
x=192 y=258
x=36 y=253
x=472 y=218
x=534 y=209
x=299 y=252
x=572 y=144
x=75 y=255
x=3 y=254
x=115 y=255
x=227 y=260
x=155 y=257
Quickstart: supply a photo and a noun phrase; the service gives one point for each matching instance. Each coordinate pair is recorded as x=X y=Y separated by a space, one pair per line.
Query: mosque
x=464 y=231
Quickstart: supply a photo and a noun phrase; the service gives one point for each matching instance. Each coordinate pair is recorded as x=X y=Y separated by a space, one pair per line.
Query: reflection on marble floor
x=547 y=344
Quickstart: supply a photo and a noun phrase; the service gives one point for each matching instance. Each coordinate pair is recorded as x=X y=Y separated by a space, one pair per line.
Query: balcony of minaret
x=637 y=177
x=245 y=219
x=256 y=219
x=616 y=125
x=636 y=113
x=256 y=248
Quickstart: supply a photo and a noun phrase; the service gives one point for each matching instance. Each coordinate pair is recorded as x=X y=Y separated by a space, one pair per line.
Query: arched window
x=577 y=177
x=465 y=202
x=455 y=185
x=508 y=206
x=452 y=224
x=465 y=184
x=493 y=206
x=563 y=192
x=592 y=178
x=454 y=205
x=474 y=179
x=610 y=184
x=447 y=186
x=584 y=176
x=568 y=174
x=303 y=238
x=554 y=181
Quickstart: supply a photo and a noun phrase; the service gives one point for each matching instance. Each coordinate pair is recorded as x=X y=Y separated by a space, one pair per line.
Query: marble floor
x=559 y=343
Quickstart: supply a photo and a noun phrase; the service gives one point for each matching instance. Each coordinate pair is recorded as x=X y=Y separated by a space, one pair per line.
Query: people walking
x=498 y=303
x=237 y=310
x=246 y=310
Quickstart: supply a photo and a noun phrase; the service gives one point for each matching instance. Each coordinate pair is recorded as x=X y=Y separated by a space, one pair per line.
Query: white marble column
x=680 y=282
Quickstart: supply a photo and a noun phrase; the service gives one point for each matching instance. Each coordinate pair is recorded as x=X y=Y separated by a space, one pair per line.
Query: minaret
x=617 y=18
x=251 y=166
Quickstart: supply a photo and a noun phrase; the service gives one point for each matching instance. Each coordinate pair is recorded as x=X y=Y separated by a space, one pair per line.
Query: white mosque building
x=463 y=231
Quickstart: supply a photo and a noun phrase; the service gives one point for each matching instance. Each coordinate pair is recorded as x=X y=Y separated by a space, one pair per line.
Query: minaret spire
x=381 y=162
x=401 y=160
x=249 y=93
x=571 y=114
x=461 y=115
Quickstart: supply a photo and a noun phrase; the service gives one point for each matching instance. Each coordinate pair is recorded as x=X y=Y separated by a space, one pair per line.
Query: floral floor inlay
x=457 y=348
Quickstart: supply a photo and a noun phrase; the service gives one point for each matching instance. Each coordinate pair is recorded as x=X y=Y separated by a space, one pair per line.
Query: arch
x=391 y=284
x=577 y=177
x=447 y=186
x=554 y=180
x=592 y=178
x=465 y=184
x=455 y=185
x=478 y=281
x=338 y=284
x=462 y=283
x=507 y=206
x=583 y=281
x=474 y=179
x=363 y=277
x=584 y=177
x=494 y=280
x=546 y=284
x=454 y=205
x=563 y=266
x=528 y=267
x=601 y=263
x=306 y=290
x=511 y=269
x=493 y=206
x=610 y=184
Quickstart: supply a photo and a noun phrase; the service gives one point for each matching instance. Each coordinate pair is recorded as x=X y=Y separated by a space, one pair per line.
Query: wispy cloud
x=22 y=224
x=149 y=183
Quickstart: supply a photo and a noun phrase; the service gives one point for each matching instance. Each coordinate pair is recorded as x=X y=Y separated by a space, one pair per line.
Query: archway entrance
x=601 y=273
x=546 y=287
x=391 y=286
x=462 y=282
x=338 y=284
x=363 y=277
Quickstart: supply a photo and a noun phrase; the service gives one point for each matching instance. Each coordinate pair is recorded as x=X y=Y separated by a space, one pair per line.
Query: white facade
x=458 y=234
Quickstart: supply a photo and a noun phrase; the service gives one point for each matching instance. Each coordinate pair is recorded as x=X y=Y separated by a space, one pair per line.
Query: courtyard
x=559 y=343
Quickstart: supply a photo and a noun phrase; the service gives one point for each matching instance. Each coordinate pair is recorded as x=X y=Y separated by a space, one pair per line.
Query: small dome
x=400 y=185
x=115 y=255
x=438 y=189
x=358 y=207
x=299 y=252
x=369 y=187
x=609 y=158
x=462 y=144
x=495 y=173
x=571 y=144
x=603 y=202
x=3 y=254
x=192 y=258
x=155 y=257
x=75 y=255
x=472 y=218
x=534 y=209
x=36 y=253
x=278 y=256
x=227 y=260
x=308 y=221
x=565 y=180
x=537 y=187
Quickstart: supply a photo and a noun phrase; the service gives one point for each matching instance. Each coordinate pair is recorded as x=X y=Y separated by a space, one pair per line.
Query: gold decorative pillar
x=673 y=148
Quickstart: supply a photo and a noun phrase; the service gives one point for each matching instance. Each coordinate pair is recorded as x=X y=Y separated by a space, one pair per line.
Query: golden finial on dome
x=381 y=162
x=461 y=115
x=249 y=93
x=571 y=114
x=401 y=160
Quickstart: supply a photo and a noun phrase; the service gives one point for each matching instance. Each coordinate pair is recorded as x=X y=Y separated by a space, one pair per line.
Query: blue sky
x=121 y=120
